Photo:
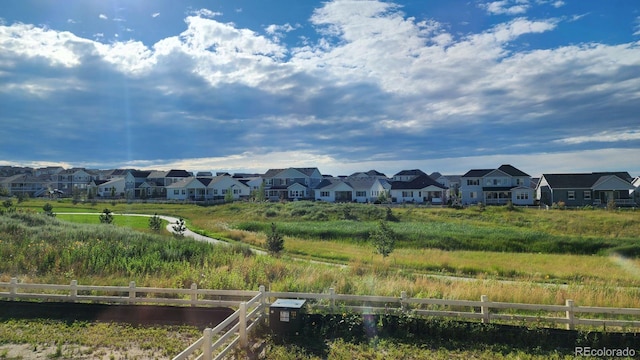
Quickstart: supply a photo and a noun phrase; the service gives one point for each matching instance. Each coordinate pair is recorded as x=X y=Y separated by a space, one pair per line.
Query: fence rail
x=252 y=308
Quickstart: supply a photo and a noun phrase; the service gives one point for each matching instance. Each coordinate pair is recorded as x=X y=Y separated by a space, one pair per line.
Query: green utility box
x=285 y=316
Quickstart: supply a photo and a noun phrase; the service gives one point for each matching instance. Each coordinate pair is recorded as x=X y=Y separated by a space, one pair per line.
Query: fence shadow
x=433 y=333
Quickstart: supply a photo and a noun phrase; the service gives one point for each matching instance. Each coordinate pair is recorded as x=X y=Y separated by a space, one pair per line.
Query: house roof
x=477 y=172
x=140 y=174
x=178 y=173
x=512 y=170
x=580 y=180
x=420 y=182
x=507 y=169
x=414 y=172
x=157 y=174
x=306 y=171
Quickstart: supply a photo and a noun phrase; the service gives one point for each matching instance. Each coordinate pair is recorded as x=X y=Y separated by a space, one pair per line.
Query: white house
x=112 y=188
x=358 y=189
x=190 y=188
x=422 y=189
x=218 y=187
x=497 y=186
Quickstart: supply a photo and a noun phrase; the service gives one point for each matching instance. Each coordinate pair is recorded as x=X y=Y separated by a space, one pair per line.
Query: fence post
x=13 y=288
x=263 y=303
x=484 y=309
x=570 y=314
x=74 y=289
x=207 y=352
x=243 y=325
x=332 y=299
x=132 y=291
x=403 y=299
x=194 y=294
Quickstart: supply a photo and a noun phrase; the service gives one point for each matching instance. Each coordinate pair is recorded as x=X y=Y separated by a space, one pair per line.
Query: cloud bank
x=374 y=88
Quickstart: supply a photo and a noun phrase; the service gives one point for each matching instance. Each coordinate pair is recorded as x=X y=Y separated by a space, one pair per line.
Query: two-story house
x=497 y=186
x=70 y=179
x=291 y=183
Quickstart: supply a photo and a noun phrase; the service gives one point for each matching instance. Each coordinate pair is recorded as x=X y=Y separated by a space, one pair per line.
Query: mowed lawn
x=139 y=223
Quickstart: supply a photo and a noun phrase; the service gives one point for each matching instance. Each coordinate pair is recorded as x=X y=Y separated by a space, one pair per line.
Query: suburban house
x=207 y=188
x=26 y=184
x=70 y=179
x=451 y=182
x=420 y=189
x=291 y=183
x=581 y=189
x=108 y=188
x=133 y=180
x=497 y=186
x=352 y=189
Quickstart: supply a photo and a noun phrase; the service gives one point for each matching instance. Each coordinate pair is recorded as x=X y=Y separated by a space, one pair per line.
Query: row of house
x=495 y=186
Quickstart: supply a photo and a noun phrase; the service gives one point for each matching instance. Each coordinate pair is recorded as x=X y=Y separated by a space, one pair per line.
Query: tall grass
x=36 y=248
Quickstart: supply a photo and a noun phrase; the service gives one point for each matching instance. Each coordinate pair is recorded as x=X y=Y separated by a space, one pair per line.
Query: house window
x=519 y=181
x=215 y=191
x=571 y=195
x=473 y=195
x=224 y=191
x=176 y=192
x=407 y=194
x=587 y=194
x=522 y=196
x=183 y=192
x=472 y=182
x=361 y=193
x=324 y=193
x=236 y=191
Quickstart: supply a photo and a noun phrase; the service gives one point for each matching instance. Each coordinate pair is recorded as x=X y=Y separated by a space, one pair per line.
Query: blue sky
x=439 y=85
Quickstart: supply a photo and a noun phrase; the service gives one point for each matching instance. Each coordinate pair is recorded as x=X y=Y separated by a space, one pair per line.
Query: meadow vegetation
x=590 y=256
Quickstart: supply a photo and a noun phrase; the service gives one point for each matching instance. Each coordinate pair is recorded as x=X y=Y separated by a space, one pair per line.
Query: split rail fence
x=252 y=305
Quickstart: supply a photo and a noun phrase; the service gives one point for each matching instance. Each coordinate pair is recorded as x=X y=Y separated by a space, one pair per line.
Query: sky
x=548 y=86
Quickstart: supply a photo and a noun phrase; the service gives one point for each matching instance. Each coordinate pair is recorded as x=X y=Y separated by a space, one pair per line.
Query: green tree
x=383 y=239
x=228 y=196
x=179 y=228
x=8 y=205
x=155 y=223
x=383 y=198
x=275 y=241
x=106 y=217
x=48 y=210
x=75 y=195
x=258 y=194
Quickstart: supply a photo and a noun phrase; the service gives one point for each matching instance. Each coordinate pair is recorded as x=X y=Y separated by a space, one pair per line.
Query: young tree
x=106 y=217
x=48 y=210
x=155 y=223
x=275 y=241
x=228 y=196
x=8 y=205
x=383 y=238
x=179 y=228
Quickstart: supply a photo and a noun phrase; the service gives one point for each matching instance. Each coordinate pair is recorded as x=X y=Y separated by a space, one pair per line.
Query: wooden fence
x=252 y=307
